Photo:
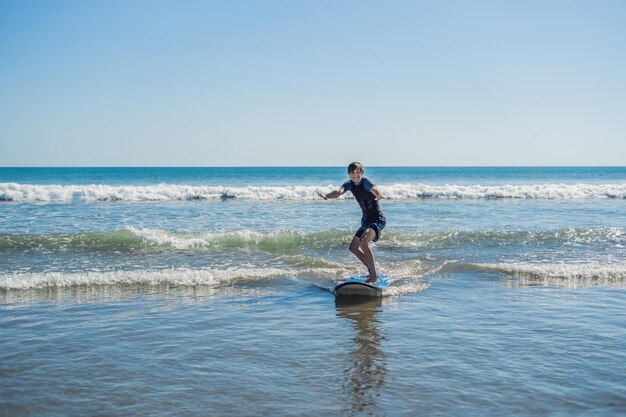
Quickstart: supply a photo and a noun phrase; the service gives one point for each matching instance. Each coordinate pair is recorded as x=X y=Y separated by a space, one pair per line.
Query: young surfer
x=372 y=221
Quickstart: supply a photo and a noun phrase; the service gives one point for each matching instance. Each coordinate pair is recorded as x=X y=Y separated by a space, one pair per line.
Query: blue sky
x=297 y=83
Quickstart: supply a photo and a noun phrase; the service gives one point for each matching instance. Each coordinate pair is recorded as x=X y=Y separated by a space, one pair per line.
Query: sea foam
x=562 y=274
x=47 y=193
x=181 y=276
x=405 y=277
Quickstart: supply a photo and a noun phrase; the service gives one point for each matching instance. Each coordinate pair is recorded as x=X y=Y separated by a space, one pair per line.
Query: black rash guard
x=367 y=200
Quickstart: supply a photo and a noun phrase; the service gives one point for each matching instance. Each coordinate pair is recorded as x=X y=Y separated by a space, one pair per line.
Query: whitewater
x=13 y=192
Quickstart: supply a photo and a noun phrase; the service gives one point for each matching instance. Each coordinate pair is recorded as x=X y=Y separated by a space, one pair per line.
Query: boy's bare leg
x=360 y=248
x=368 y=260
x=355 y=248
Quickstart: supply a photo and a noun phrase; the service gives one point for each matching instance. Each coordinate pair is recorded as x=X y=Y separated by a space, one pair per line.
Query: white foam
x=185 y=277
x=35 y=193
x=172 y=192
x=532 y=191
x=405 y=278
x=158 y=192
x=160 y=237
x=563 y=274
x=408 y=288
x=232 y=239
x=180 y=276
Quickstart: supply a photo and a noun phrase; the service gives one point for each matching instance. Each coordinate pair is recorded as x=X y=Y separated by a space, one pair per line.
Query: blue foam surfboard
x=358 y=286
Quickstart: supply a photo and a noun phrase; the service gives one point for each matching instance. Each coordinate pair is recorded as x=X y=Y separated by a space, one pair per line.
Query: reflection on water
x=364 y=372
x=84 y=294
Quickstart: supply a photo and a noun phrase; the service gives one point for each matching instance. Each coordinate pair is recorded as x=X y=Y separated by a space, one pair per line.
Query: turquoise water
x=206 y=291
x=291 y=175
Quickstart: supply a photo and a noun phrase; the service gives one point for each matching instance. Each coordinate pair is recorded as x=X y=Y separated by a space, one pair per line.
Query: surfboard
x=358 y=286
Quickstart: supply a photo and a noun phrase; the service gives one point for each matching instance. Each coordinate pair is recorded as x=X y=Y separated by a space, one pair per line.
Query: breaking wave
x=406 y=277
x=561 y=274
x=133 y=239
x=183 y=276
x=49 y=193
x=156 y=239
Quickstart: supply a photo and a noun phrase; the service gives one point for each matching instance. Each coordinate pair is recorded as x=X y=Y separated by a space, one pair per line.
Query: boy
x=372 y=222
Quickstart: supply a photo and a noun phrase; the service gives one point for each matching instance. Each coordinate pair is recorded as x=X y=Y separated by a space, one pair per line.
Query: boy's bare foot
x=371 y=279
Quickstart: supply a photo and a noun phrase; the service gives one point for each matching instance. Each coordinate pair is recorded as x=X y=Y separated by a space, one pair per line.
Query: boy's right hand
x=322 y=195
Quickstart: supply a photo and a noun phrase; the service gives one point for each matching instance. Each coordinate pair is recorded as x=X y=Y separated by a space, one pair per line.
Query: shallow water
x=506 y=306
x=470 y=344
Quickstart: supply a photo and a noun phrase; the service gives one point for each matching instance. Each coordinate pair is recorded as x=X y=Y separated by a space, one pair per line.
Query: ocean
x=208 y=291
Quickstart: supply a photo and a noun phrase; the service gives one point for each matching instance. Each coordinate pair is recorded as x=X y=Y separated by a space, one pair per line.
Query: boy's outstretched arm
x=332 y=194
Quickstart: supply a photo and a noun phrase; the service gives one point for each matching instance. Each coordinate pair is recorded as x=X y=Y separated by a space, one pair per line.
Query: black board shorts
x=377 y=225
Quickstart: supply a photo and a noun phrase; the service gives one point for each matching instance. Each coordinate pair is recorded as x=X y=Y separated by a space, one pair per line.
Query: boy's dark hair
x=356 y=166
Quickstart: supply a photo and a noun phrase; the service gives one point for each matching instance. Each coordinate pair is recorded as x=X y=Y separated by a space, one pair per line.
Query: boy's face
x=356 y=176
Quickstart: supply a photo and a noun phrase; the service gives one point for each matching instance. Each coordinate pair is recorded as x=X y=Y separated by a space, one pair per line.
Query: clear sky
x=324 y=82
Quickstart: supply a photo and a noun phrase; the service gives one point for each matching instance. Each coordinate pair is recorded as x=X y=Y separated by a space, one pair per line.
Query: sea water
x=206 y=291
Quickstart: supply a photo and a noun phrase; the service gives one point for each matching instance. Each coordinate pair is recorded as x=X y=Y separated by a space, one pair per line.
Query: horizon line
x=304 y=166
